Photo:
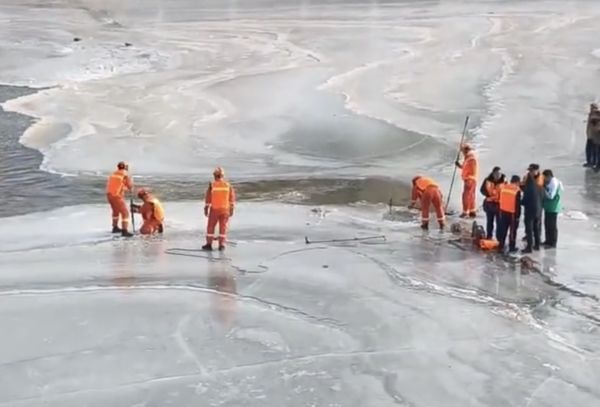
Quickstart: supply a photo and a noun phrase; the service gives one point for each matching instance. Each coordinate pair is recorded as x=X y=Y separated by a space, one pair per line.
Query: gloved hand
x=457 y=163
x=231 y=211
x=206 y=211
x=135 y=208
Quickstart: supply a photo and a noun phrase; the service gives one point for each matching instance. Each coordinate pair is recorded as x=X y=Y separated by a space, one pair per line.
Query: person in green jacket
x=552 y=193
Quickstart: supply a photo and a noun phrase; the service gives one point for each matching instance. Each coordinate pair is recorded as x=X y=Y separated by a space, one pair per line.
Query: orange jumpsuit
x=469 y=176
x=116 y=185
x=153 y=214
x=220 y=199
x=429 y=193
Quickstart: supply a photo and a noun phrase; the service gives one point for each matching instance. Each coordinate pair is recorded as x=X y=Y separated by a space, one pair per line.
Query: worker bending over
x=218 y=206
x=119 y=182
x=490 y=188
x=428 y=192
x=469 y=175
x=152 y=213
x=510 y=212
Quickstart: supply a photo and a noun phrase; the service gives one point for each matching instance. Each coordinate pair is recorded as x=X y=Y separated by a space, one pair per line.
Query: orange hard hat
x=122 y=165
x=142 y=193
x=219 y=172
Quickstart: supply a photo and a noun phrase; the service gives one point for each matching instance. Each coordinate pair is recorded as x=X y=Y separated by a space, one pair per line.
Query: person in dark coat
x=592 y=146
x=490 y=188
x=532 y=201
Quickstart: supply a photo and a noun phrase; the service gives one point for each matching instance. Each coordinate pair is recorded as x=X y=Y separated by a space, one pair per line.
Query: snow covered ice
x=293 y=94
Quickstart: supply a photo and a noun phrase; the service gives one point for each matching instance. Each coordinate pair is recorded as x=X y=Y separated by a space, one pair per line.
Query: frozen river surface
x=300 y=101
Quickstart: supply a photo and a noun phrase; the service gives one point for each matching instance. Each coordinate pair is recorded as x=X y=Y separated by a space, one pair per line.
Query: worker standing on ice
x=219 y=202
x=552 y=191
x=510 y=212
x=491 y=190
x=119 y=182
x=152 y=213
x=470 y=169
x=428 y=192
x=533 y=196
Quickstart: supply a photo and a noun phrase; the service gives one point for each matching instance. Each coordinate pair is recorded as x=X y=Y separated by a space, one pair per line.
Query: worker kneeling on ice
x=152 y=213
x=428 y=192
x=219 y=202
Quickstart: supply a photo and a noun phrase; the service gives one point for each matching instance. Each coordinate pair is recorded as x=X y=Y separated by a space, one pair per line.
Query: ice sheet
x=276 y=321
x=185 y=91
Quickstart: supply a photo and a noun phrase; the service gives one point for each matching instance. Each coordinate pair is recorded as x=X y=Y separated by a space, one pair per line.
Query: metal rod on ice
x=462 y=139
x=354 y=239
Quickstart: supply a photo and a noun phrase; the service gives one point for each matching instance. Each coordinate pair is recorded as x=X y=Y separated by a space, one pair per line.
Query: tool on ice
x=354 y=239
x=462 y=140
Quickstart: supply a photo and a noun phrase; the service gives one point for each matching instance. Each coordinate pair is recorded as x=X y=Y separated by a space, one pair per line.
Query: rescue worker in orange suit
x=490 y=188
x=510 y=212
x=469 y=176
x=428 y=192
x=119 y=182
x=152 y=213
x=218 y=207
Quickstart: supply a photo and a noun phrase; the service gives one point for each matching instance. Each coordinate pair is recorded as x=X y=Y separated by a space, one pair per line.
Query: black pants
x=508 y=223
x=551 y=228
x=533 y=229
x=491 y=213
x=591 y=153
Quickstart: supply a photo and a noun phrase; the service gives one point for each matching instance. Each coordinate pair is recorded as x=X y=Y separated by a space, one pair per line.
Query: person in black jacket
x=533 y=197
x=490 y=188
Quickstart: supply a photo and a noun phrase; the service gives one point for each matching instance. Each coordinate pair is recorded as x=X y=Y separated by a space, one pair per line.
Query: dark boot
x=117 y=229
x=425 y=225
x=527 y=250
x=125 y=233
x=207 y=247
x=221 y=247
x=472 y=214
x=442 y=224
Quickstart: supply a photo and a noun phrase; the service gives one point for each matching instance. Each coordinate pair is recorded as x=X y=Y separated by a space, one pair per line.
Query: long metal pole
x=462 y=139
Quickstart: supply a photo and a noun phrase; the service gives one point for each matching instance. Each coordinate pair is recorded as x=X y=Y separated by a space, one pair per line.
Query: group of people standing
x=219 y=204
x=537 y=195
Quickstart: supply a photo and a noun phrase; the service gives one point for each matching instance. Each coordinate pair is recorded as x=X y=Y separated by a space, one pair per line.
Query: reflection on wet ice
x=224 y=300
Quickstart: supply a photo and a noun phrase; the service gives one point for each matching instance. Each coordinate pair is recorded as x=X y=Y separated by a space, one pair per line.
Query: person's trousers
x=491 y=213
x=468 y=197
x=508 y=224
x=551 y=228
x=533 y=226
x=591 y=153
x=150 y=227
x=119 y=209
x=432 y=196
x=220 y=217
